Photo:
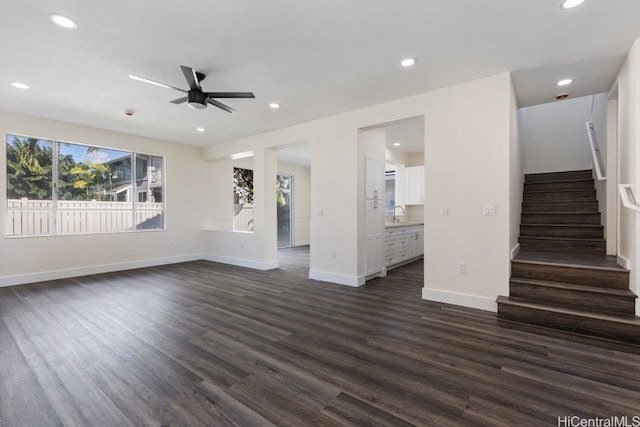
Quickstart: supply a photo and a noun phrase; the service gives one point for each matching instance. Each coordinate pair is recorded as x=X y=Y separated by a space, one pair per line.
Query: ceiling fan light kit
x=196 y=98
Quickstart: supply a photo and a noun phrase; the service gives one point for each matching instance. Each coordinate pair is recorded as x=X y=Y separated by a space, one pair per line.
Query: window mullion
x=134 y=190
x=55 y=186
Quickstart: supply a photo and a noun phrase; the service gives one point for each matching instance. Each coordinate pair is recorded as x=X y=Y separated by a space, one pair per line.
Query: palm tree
x=90 y=175
x=29 y=164
x=27 y=154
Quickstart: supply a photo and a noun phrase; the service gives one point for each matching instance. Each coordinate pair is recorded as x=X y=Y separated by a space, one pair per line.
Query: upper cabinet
x=374 y=178
x=414 y=181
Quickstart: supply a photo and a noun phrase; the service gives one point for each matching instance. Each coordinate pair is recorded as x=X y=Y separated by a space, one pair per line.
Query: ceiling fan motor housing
x=197 y=100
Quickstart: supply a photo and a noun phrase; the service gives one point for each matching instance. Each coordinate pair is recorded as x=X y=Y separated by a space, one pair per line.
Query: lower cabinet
x=402 y=244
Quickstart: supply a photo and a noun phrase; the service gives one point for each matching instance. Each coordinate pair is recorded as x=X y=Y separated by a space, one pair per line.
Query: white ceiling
x=314 y=58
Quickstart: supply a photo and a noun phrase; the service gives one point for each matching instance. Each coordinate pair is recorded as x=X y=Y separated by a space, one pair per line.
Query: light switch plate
x=489 y=210
x=444 y=210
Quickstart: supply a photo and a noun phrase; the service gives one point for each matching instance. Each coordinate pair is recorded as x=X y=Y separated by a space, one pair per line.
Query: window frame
x=55 y=200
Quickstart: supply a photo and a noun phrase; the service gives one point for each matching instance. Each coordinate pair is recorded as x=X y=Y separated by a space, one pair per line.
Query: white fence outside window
x=35 y=217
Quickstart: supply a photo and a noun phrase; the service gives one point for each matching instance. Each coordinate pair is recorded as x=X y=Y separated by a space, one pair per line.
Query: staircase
x=561 y=278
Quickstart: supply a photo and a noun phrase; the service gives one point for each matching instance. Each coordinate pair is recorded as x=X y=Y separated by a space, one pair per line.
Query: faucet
x=394 y=213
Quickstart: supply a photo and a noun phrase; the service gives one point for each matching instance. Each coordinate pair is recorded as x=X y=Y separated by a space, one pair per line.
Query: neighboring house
x=148 y=180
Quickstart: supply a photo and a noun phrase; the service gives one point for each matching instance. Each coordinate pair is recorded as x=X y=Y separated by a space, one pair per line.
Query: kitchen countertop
x=402 y=224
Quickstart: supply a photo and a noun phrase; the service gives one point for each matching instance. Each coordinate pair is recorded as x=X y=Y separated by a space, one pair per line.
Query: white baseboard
x=340 y=279
x=302 y=243
x=623 y=262
x=515 y=250
x=22 y=279
x=465 y=300
x=240 y=262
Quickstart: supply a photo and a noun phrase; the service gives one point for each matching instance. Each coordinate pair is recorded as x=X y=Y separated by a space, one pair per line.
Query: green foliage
x=284 y=189
x=66 y=180
x=243 y=184
x=29 y=165
x=90 y=177
x=29 y=172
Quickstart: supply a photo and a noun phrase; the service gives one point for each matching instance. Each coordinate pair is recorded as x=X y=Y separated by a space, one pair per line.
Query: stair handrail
x=595 y=152
x=627 y=197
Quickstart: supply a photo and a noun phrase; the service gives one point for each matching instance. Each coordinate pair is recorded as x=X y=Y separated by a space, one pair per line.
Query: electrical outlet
x=444 y=210
x=332 y=254
x=462 y=267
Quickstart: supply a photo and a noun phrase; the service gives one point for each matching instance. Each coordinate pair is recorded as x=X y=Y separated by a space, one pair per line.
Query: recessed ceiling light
x=63 y=21
x=274 y=105
x=564 y=82
x=200 y=129
x=396 y=144
x=19 y=85
x=568 y=4
x=408 y=62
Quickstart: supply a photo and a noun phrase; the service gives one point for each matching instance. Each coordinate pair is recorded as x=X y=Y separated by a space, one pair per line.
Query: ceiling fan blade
x=221 y=105
x=230 y=94
x=192 y=79
x=153 y=82
x=180 y=100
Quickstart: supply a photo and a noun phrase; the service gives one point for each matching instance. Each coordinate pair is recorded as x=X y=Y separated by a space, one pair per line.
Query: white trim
x=340 y=279
x=515 y=250
x=455 y=298
x=240 y=262
x=96 y=269
x=302 y=243
x=624 y=263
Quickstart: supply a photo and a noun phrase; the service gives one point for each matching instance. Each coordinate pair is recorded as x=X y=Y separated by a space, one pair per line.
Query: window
x=58 y=187
x=242 y=199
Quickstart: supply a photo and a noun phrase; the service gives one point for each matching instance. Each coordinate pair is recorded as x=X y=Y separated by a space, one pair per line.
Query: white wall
x=516 y=180
x=257 y=249
x=414 y=213
x=554 y=136
x=301 y=200
x=30 y=259
x=467 y=165
x=628 y=161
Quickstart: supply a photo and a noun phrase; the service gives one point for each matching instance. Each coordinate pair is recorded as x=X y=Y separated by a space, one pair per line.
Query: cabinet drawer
x=391 y=259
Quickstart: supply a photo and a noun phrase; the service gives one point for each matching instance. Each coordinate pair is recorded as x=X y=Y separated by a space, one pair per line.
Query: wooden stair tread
x=595 y=262
x=552 y=181
x=574 y=287
x=561 y=213
x=569 y=190
x=559 y=176
x=628 y=320
x=573 y=225
x=567 y=239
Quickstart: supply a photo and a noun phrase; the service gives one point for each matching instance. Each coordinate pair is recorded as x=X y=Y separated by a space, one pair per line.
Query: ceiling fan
x=196 y=98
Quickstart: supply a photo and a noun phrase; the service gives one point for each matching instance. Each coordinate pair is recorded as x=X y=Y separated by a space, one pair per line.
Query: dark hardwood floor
x=205 y=344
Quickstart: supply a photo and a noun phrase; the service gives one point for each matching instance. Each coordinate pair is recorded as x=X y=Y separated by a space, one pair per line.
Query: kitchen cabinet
x=403 y=244
x=414 y=184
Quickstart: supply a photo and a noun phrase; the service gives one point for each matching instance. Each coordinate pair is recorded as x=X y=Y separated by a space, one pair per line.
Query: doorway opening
x=285 y=210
